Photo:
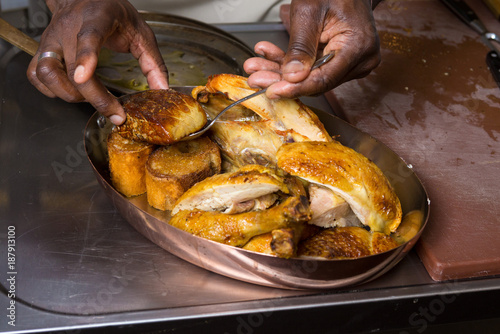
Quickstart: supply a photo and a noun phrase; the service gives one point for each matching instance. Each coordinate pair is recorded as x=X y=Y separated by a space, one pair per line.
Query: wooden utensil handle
x=17 y=38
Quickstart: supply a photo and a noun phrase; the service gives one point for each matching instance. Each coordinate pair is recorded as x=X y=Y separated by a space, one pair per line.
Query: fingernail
x=79 y=72
x=293 y=67
x=116 y=119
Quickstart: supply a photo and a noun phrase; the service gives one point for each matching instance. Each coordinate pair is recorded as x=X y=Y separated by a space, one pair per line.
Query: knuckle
x=45 y=73
x=103 y=106
x=302 y=45
x=72 y=98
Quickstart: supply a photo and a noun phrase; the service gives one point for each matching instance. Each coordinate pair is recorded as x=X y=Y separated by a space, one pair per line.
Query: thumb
x=305 y=31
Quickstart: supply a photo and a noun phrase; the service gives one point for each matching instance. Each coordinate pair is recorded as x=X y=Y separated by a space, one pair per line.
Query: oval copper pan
x=260 y=268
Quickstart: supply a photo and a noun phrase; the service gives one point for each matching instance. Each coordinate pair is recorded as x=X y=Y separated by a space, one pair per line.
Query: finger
x=320 y=80
x=150 y=59
x=269 y=51
x=302 y=47
x=51 y=75
x=263 y=79
x=102 y=100
x=33 y=79
x=255 y=64
x=88 y=45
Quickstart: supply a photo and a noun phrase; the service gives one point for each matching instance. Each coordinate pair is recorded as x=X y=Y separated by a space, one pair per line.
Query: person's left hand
x=317 y=27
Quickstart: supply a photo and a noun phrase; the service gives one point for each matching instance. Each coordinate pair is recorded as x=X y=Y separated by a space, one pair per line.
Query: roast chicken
x=348 y=174
x=285 y=114
x=201 y=210
x=285 y=188
x=345 y=243
x=252 y=132
x=243 y=190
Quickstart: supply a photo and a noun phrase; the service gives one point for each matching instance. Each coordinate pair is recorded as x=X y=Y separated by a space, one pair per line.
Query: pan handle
x=17 y=38
x=493 y=62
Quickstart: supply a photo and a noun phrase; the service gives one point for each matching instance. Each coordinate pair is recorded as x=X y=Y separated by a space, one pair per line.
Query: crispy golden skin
x=127 y=160
x=345 y=243
x=285 y=114
x=350 y=175
x=410 y=225
x=243 y=136
x=173 y=169
x=161 y=117
x=238 y=229
x=281 y=242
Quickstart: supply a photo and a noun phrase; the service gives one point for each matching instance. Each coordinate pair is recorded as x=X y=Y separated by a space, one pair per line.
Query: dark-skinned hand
x=317 y=27
x=77 y=32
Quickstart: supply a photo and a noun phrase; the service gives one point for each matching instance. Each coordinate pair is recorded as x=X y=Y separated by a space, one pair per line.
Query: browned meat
x=345 y=243
x=225 y=192
x=161 y=117
x=348 y=174
x=238 y=229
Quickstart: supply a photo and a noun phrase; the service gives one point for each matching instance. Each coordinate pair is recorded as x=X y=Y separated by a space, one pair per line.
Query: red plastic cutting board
x=434 y=102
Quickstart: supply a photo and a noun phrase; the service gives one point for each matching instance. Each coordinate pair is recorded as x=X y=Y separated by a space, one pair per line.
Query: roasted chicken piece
x=238 y=229
x=243 y=136
x=281 y=242
x=348 y=174
x=251 y=187
x=161 y=117
x=243 y=143
x=345 y=243
x=285 y=114
x=214 y=103
x=410 y=226
x=203 y=209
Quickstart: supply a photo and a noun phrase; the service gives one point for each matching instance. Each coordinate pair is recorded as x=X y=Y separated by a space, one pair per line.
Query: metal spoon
x=321 y=61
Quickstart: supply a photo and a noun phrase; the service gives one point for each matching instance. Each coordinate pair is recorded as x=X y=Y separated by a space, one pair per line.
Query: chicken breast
x=329 y=209
x=285 y=114
x=224 y=192
x=161 y=117
x=348 y=174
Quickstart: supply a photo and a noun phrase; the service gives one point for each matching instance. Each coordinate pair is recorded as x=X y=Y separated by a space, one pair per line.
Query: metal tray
x=260 y=268
x=192 y=51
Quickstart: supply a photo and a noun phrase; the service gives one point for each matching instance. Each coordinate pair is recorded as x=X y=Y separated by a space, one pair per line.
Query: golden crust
x=171 y=170
x=238 y=229
x=127 y=160
x=287 y=114
x=345 y=243
x=161 y=117
x=350 y=175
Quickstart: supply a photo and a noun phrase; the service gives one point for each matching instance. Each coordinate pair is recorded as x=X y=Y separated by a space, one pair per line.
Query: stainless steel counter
x=79 y=265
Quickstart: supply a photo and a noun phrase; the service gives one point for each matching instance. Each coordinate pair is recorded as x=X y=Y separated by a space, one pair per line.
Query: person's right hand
x=77 y=31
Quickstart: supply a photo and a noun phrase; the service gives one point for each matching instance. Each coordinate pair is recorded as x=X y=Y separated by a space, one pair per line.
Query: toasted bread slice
x=161 y=117
x=171 y=170
x=127 y=161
